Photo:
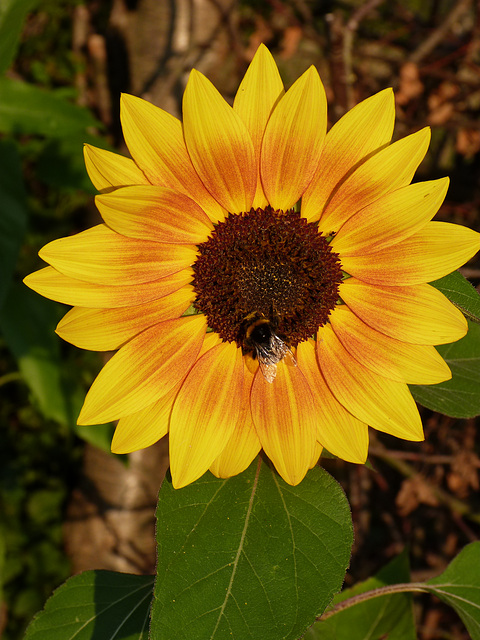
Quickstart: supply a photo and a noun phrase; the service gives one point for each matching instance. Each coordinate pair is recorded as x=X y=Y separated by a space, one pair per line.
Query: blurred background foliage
x=67 y=505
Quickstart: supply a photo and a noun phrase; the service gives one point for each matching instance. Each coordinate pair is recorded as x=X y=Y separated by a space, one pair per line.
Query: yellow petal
x=109 y=329
x=257 y=95
x=419 y=314
x=219 y=145
x=364 y=129
x=293 y=141
x=205 y=412
x=144 y=428
x=144 y=370
x=391 y=218
x=54 y=285
x=155 y=140
x=211 y=340
x=396 y=360
x=436 y=250
x=284 y=417
x=338 y=430
x=154 y=213
x=385 y=171
x=107 y=169
x=101 y=256
x=243 y=445
x=383 y=404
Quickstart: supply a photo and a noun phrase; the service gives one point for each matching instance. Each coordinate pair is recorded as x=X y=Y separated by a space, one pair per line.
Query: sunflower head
x=264 y=282
x=269 y=263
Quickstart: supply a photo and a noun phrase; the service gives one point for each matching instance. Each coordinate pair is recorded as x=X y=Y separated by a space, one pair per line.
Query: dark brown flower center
x=269 y=263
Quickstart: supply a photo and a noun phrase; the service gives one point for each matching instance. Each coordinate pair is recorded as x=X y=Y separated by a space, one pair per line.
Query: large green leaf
x=96 y=605
x=12 y=16
x=13 y=213
x=249 y=557
x=462 y=293
x=24 y=108
x=459 y=587
x=389 y=616
x=460 y=396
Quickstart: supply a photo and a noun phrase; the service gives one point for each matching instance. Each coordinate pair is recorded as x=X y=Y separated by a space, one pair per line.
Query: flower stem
x=406 y=587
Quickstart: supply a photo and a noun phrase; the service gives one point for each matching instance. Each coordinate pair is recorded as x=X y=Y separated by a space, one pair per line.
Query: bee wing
x=281 y=350
x=278 y=348
x=269 y=370
x=269 y=356
x=290 y=358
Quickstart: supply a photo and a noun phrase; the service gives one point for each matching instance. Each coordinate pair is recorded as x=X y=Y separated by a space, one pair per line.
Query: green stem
x=14 y=376
x=406 y=587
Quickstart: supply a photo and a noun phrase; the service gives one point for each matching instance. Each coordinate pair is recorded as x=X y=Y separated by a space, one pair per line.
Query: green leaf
x=462 y=293
x=28 y=325
x=61 y=164
x=249 y=557
x=459 y=587
x=26 y=109
x=2 y=562
x=13 y=213
x=12 y=17
x=389 y=616
x=100 y=435
x=96 y=604
x=460 y=396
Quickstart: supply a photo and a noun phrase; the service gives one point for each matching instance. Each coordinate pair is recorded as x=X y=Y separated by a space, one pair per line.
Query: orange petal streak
x=438 y=249
x=396 y=360
x=419 y=314
x=284 y=417
x=144 y=428
x=155 y=140
x=338 y=430
x=219 y=145
x=54 y=285
x=385 y=171
x=154 y=213
x=243 y=445
x=362 y=130
x=257 y=95
x=293 y=141
x=144 y=370
x=101 y=256
x=384 y=404
x=205 y=413
x=109 y=329
x=391 y=218
x=107 y=169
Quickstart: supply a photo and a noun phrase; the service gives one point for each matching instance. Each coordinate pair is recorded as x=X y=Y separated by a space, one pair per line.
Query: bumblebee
x=262 y=339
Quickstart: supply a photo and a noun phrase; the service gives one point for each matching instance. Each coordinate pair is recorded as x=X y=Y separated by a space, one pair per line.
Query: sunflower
x=264 y=282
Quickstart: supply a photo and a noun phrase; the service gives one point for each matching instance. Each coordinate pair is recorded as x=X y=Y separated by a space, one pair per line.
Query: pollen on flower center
x=267 y=262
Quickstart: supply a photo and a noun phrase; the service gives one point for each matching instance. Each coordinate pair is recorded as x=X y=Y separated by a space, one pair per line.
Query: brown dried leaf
x=410 y=84
x=413 y=492
x=441 y=114
x=291 y=39
x=464 y=474
x=468 y=142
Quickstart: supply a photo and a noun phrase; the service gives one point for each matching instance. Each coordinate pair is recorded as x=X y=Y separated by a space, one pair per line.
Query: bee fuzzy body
x=268 y=346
